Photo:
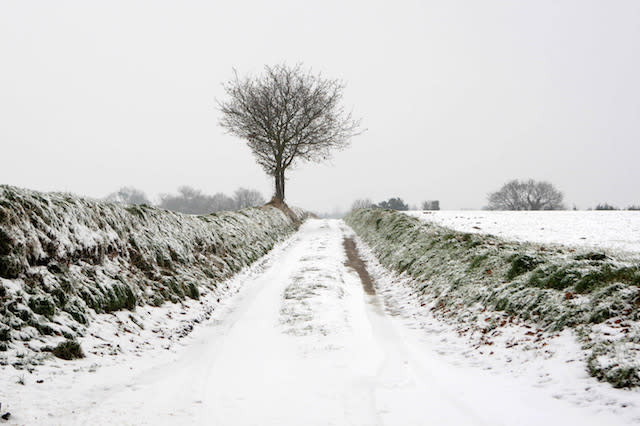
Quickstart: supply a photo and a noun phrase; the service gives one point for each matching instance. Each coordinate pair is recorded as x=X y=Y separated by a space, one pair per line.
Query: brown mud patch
x=354 y=261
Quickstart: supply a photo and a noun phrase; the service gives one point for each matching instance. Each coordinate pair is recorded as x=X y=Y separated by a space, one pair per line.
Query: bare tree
x=286 y=115
x=193 y=201
x=431 y=205
x=220 y=201
x=188 y=200
x=365 y=203
x=526 y=195
x=128 y=195
x=247 y=198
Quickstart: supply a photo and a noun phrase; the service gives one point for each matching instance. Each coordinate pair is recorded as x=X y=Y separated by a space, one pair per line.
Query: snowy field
x=297 y=341
x=611 y=230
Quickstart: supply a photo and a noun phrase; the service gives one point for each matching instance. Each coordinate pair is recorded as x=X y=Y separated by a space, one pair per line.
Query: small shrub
x=502 y=304
x=77 y=311
x=118 y=297
x=5 y=333
x=618 y=376
x=6 y=242
x=69 y=349
x=192 y=291
x=42 y=305
x=592 y=256
x=520 y=264
x=607 y=275
x=478 y=261
x=562 y=278
x=10 y=267
x=59 y=296
x=57 y=268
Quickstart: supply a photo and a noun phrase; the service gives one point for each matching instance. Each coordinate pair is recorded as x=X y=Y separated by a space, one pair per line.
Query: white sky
x=458 y=96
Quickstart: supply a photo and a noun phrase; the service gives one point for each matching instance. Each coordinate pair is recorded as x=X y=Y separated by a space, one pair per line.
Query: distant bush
x=634 y=207
x=394 y=204
x=605 y=206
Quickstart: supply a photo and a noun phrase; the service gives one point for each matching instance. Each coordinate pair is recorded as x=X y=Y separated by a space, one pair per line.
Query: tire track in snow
x=403 y=390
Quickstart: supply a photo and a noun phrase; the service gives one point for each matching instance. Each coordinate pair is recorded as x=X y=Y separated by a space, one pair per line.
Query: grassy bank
x=457 y=274
x=65 y=258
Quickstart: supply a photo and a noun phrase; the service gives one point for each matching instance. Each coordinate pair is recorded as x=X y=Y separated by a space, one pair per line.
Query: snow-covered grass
x=297 y=341
x=527 y=363
x=461 y=276
x=602 y=230
x=64 y=259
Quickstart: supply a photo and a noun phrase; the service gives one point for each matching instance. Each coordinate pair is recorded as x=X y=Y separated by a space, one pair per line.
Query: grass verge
x=595 y=293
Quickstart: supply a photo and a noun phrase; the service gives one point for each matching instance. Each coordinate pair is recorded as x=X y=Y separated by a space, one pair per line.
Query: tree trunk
x=282 y=184
x=279 y=178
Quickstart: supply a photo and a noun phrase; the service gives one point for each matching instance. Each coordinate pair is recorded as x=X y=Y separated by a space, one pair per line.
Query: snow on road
x=299 y=344
x=613 y=230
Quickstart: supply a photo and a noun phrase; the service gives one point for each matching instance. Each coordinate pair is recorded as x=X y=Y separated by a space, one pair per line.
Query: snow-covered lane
x=302 y=344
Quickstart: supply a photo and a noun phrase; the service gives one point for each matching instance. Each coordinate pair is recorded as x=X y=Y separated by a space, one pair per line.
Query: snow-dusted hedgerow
x=63 y=257
x=458 y=274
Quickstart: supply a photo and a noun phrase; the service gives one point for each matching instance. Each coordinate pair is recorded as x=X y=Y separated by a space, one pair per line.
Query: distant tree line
x=394 y=203
x=190 y=200
x=431 y=205
x=513 y=195
x=607 y=206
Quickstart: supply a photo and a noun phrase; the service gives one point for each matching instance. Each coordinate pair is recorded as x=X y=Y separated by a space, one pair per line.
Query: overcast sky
x=458 y=96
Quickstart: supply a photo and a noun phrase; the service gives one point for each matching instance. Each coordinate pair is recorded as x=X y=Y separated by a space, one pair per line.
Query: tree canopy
x=287 y=114
x=526 y=195
x=394 y=203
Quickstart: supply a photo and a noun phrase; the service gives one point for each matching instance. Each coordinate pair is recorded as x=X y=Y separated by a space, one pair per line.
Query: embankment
x=458 y=275
x=65 y=258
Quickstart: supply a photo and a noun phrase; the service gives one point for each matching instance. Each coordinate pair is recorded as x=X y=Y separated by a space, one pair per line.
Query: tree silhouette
x=526 y=195
x=286 y=115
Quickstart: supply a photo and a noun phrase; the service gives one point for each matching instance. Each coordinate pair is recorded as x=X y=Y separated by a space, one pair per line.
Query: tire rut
x=355 y=262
